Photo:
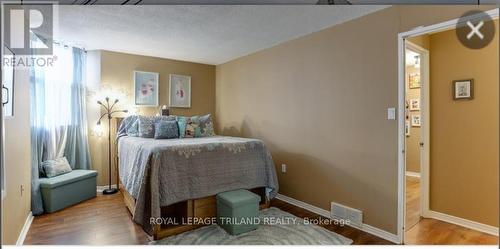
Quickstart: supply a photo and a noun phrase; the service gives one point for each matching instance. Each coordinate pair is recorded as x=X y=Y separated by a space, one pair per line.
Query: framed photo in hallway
x=414 y=80
x=463 y=89
x=414 y=104
x=415 y=120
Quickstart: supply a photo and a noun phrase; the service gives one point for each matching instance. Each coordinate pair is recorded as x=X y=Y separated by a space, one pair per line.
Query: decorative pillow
x=206 y=127
x=146 y=127
x=133 y=130
x=164 y=118
x=166 y=129
x=56 y=167
x=187 y=127
x=126 y=124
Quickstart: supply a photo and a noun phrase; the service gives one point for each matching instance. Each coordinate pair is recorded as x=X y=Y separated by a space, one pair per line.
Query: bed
x=178 y=179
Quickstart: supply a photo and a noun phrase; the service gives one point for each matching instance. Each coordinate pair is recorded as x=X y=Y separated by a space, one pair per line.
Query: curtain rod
x=66 y=45
x=59 y=42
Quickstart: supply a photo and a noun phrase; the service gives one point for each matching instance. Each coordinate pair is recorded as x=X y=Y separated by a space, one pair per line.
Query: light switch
x=391 y=113
x=283 y=168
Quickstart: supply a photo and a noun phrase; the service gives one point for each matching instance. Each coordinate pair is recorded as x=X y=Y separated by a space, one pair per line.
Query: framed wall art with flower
x=146 y=88
x=180 y=91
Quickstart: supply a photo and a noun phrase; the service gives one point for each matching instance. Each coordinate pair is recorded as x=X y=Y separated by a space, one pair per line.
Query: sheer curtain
x=58 y=117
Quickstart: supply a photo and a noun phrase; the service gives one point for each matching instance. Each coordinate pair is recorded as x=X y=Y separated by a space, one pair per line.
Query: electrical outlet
x=22 y=189
x=283 y=168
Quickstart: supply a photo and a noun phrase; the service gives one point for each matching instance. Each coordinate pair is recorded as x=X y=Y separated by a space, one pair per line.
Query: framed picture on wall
x=414 y=104
x=180 y=91
x=146 y=88
x=8 y=83
x=463 y=89
x=415 y=120
x=414 y=80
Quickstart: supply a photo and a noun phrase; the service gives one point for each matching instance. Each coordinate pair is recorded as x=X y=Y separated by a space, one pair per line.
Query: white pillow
x=56 y=167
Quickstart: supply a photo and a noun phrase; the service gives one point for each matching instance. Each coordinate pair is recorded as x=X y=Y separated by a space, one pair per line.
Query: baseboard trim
x=304 y=205
x=463 y=222
x=101 y=188
x=412 y=174
x=325 y=213
x=24 y=231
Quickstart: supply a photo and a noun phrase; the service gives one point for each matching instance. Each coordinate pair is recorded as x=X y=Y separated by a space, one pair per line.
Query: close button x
x=475 y=30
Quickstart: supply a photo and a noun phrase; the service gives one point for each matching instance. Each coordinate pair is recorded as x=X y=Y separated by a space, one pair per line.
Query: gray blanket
x=163 y=172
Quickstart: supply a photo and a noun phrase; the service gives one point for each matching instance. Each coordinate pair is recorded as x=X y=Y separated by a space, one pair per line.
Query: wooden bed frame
x=197 y=208
x=201 y=208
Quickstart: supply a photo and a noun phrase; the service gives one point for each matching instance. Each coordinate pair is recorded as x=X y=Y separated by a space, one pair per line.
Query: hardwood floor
x=105 y=220
x=359 y=237
x=412 y=202
x=435 y=232
x=423 y=231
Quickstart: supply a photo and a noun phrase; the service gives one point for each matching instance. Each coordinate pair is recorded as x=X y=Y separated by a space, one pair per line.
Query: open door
x=416 y=73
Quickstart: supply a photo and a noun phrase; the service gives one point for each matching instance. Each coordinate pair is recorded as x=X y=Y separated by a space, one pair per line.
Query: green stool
x=67 y=189
x=238 y=211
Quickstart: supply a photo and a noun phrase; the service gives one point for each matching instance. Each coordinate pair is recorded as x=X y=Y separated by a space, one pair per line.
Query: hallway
x=424 y=231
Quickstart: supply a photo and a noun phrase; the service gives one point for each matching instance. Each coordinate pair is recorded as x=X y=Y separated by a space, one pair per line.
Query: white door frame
x=425 y=120
x=401 y=107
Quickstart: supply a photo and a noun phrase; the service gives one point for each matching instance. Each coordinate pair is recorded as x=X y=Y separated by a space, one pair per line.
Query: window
x=56 y=90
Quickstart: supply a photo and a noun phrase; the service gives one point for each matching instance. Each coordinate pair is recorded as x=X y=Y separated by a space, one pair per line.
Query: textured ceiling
x=205 y=34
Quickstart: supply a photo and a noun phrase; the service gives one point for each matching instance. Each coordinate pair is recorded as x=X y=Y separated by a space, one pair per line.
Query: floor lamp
x=109 y=112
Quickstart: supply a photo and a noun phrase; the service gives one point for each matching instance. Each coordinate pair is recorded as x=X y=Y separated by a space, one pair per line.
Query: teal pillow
x=166 y=130
x=181 y=123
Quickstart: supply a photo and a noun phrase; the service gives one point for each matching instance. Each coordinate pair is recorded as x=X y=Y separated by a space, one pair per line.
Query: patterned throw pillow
x=187 y=127
x=164 y=118
x=166 y=130
x=206 y=126
x=133 y=130
x=56 y=167
x=191 y=128
x=126 y=125
x=146 y=127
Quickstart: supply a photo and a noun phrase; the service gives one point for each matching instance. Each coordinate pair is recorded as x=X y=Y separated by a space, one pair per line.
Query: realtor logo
x=20 y=22
x=475 y=29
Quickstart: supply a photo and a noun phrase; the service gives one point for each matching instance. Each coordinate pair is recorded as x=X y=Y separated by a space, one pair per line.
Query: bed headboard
x=118 y=122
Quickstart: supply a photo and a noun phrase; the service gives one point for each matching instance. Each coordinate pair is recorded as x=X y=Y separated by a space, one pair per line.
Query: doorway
x=438 y=222
x=416 y=111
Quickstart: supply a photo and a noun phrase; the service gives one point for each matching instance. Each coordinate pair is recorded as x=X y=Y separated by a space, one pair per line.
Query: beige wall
x=16 y=207
x=116 y=70
x=414 y=139
x=320 y=104
x=464 y=134
x=421 y=41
